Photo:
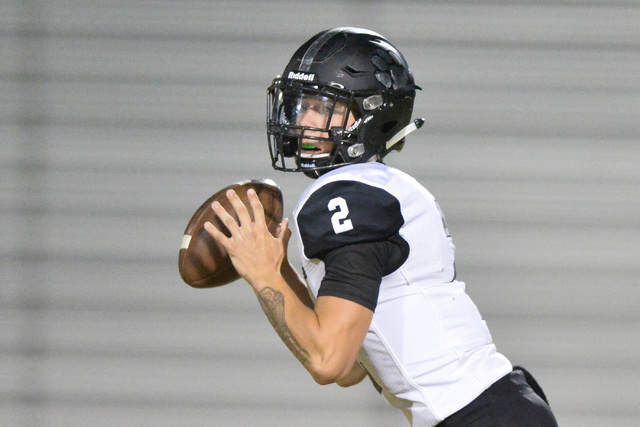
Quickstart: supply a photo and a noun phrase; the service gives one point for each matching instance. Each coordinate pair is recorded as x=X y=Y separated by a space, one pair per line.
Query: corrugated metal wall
x=118 y=118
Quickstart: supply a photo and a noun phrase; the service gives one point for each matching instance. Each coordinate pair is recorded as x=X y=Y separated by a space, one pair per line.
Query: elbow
x=325 y=374
x=324 y=380
x=345 y=383
x=355 y=376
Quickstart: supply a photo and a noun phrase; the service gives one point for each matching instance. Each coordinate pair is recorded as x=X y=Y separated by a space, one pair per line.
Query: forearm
x=273 y=304
x=272 y=297
x=328 y=352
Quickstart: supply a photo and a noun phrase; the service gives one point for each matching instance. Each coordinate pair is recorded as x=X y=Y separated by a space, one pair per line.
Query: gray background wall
x=118 y=118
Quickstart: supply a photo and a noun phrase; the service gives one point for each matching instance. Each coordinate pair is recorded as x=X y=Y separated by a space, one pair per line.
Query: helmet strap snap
x=356 y=150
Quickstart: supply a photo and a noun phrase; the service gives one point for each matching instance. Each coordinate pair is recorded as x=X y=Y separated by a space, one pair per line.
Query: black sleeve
x=354 y=272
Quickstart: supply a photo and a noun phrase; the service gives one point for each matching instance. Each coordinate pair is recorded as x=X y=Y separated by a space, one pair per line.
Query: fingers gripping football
x=255 y=253
x=202 y=261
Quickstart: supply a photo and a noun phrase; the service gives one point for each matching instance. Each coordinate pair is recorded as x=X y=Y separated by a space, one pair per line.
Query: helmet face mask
x=309 y=125
x=344 y=94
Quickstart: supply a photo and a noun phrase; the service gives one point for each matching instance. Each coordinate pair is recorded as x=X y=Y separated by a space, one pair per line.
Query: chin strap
x=416 y=124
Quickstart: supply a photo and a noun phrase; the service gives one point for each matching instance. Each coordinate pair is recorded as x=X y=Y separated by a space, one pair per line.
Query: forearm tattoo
x=272 y=303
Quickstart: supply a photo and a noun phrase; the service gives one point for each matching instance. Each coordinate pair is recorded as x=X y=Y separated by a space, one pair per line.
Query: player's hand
x=256 y=254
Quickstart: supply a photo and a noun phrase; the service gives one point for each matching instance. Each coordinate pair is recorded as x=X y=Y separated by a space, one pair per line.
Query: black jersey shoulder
x=347 y=212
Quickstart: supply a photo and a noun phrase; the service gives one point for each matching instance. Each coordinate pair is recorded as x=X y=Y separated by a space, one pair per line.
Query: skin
x=315 y=113
x=324 y=337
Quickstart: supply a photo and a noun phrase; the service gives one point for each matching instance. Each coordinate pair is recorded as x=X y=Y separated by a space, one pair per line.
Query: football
x=203 y=262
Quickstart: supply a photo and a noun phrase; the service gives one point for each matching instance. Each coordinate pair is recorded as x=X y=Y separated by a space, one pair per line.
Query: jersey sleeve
x=354 y=272
x=344 y=213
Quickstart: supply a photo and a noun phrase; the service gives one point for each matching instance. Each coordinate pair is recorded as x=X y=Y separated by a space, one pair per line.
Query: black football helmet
x=360 y=86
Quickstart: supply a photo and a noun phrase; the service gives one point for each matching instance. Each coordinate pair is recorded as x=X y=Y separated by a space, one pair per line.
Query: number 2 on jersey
x=339 y=219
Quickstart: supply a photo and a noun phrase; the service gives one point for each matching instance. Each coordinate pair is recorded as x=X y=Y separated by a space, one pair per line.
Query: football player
x=379 y=295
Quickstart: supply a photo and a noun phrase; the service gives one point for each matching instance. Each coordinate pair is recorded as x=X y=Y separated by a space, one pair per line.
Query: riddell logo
x=306 y=77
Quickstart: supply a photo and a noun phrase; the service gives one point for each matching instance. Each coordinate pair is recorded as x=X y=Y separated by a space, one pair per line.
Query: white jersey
x=427 y=348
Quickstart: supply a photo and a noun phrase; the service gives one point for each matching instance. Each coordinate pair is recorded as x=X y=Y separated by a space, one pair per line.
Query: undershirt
x=354 y=272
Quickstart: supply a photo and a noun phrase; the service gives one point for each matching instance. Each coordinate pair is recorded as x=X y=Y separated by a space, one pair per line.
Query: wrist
x=267 y=280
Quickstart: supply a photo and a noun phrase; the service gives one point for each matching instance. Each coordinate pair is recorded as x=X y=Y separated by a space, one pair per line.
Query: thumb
x=284 y=232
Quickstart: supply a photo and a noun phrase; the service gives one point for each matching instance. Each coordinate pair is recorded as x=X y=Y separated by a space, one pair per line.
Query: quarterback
x=378 y=295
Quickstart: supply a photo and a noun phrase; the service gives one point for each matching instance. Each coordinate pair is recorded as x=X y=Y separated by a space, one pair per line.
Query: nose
x=312 y=118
